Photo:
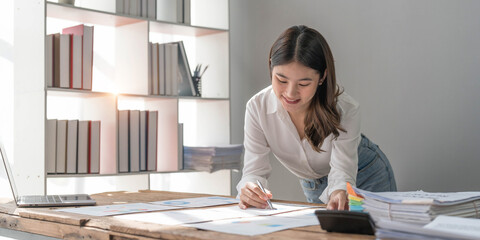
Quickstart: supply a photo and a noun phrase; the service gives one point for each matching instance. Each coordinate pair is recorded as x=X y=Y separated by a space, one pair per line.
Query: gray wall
x=414 y=66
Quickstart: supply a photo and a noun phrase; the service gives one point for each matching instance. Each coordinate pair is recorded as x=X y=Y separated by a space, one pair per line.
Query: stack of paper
x=212 y=158
x=355 y=201
x=443 y=227
x=419 y=207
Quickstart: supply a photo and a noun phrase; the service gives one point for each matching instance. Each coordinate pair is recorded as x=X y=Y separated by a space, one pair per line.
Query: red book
x=87 y=52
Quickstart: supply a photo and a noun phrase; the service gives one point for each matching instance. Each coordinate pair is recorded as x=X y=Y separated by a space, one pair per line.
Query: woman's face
x=295 y=85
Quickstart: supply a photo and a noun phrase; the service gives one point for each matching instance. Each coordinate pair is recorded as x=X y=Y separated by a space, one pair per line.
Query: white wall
x=413 y=66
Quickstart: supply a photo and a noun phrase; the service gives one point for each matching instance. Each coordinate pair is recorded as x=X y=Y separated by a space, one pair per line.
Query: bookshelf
x=120 y=82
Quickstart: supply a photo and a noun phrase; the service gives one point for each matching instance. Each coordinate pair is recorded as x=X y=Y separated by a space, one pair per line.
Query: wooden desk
x=64 y=225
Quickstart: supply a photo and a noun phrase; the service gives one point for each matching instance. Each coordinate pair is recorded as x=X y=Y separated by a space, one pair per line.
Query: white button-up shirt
x=268 y=127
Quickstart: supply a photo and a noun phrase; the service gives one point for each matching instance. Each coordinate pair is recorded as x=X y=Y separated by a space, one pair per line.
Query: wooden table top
x=65 y=225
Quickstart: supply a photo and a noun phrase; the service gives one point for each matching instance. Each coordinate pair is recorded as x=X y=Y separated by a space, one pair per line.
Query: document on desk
x=261 y=224
x=208 y=214
x=421 y=197
x=443 y=227
x=198 y=202
x=117 y=209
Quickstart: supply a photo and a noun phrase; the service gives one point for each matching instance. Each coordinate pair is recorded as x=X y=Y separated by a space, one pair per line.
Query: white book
x=143 y=140
x=174 y=68
x=87 y=57
x=72 y=134
x=56 y=60
x=50 y=145
x=152 y=9
x=123 y=116
x=76 y=61
x=161 y=69
x=64 y=64
x=134 y=140
x=152 y=140
x=95 y=137
x=168 y=69
x=154 y=82
x=61 y=146
x=83 y=146
x=150 y=69
x=49 y=60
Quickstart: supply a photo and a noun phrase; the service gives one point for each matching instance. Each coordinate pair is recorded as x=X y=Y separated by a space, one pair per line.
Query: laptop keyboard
x=42 y=199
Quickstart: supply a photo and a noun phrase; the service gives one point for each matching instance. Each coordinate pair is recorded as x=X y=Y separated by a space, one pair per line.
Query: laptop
x=42 y=200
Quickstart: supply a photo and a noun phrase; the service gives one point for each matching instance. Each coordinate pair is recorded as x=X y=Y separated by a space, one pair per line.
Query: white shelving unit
x=120 y=82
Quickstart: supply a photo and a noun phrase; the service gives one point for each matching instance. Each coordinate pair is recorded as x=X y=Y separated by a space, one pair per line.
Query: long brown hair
x=308 y=47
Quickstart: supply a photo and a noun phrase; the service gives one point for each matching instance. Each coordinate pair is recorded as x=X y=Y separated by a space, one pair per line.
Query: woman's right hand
x=252 y=196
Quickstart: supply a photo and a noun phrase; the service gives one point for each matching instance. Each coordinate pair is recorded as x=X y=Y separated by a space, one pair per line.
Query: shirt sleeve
x=256 y=163
x=344 y=158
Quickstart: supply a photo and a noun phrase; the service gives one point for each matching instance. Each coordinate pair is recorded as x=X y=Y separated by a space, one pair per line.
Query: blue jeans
x=374 y=173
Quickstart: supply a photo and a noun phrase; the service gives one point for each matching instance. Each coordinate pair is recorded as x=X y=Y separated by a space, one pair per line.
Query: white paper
x=462 y=226
x=198 y=202
x=116 y=209
x=209 y=214
x=255 y=225
x=421 y=197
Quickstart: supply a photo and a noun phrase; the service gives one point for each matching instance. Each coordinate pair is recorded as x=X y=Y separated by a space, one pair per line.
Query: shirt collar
x=273 y=103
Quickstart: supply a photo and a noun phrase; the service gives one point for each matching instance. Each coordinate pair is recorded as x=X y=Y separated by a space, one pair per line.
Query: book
x=150 y=68
x=161 y=69
x=134 y=140
x=168 y=69
x=72 y=134
x=56 y=60
x=123 y=148
x=180 y=146
x=50 y=145
x=61 y=156
x=167 y=10
x=185 y=85
x=119 y=6
x=64 y=61
x=143 y=140
x=179 y=8
x=144 y=8
x=87 y=51
x=152 y=127
x=187 y=12
x=154 y=83
x=152 y=7
x=83 y=147
x=95 y=140
x=49 y=46
x=76 y=62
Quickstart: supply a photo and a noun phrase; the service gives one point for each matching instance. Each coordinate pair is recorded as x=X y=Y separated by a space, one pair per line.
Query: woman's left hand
x=338 y=200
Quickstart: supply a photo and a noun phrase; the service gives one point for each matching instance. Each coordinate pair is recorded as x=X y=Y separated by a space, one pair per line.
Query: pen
x=263 y=190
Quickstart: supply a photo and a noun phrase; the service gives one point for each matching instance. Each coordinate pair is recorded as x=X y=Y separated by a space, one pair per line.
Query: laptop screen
x=6 y=165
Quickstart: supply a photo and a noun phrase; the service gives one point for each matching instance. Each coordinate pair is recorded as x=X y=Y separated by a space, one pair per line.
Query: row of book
x=213 y=158
x=169 y=71
x=139 y=8
x=137 y=140
x=69 y=58
x=164 y=10
x=72 y=146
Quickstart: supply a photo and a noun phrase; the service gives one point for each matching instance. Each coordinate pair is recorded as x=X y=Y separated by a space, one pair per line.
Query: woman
x=311 y=127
